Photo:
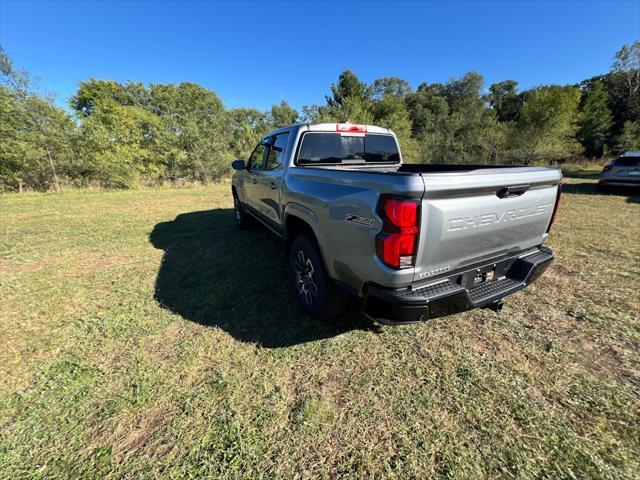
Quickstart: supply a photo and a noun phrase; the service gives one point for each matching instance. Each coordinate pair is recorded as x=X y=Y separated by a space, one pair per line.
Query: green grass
x=141 y=334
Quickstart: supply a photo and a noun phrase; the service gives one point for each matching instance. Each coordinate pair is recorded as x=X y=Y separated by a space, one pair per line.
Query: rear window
x=322 y=148
x=627 y=162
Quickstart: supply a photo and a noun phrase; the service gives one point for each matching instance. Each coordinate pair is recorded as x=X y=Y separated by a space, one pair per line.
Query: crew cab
x=412 y=241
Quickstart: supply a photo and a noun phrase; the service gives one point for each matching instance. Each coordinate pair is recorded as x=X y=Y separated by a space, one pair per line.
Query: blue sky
x=257 y=53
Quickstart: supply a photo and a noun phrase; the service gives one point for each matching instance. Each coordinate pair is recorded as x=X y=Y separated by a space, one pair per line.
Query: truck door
x=252 y=180
x=270 y=179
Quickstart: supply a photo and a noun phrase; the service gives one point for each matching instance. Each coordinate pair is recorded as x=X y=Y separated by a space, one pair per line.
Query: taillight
x=555 y=207
x=350 y=128
x=397 y=244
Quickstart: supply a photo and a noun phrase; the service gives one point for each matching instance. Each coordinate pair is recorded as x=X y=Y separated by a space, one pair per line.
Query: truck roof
x=331 y=127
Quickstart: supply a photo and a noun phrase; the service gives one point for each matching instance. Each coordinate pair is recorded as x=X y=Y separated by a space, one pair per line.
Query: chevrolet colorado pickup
x=414 y=242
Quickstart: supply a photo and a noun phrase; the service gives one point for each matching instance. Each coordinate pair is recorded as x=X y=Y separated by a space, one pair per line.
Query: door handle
x=273 y=186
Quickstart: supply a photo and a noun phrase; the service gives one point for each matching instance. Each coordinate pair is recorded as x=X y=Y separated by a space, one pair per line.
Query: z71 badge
x=361 y=220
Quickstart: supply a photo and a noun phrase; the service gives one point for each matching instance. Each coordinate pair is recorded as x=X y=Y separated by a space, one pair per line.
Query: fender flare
x=307 y=215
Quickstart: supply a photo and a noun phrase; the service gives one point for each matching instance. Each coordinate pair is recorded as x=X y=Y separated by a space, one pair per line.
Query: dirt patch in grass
x=148 y=425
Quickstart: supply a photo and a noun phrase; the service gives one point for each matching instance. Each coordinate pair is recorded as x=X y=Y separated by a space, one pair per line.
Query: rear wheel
x=242 y=219
x=319 y=296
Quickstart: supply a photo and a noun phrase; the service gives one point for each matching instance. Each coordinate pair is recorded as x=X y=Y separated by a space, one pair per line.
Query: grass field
x=141 y=334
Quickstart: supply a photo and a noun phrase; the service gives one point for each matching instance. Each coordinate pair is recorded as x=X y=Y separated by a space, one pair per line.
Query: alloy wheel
x=305 y=278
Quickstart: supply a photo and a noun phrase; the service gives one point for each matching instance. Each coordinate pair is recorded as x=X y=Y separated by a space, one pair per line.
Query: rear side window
x=332 y=148
x=627 y=162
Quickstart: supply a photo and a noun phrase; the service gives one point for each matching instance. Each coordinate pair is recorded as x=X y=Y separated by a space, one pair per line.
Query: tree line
x=121 y=135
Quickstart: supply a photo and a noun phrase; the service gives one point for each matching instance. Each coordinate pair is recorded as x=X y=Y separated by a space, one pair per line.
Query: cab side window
x=277 y=151
x=256 y=161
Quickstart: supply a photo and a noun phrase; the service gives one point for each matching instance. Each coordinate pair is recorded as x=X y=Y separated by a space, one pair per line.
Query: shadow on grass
x=216 y=275
x=582 y=174
x=591 y=188
x=581 y=188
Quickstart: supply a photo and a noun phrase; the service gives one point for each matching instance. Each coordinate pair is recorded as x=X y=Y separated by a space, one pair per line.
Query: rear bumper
x=458 y=291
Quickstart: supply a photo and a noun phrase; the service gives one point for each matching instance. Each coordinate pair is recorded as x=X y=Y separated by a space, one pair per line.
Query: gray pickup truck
x=413 y=242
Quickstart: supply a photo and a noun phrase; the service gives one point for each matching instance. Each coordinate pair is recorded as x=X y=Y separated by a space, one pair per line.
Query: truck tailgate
x=471 y=216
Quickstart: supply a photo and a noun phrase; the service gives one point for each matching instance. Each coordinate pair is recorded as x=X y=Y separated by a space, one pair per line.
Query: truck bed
x=413 y=168
x=468 y=212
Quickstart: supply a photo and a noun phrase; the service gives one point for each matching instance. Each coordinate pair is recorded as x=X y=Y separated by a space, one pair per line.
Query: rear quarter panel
x=333 y=196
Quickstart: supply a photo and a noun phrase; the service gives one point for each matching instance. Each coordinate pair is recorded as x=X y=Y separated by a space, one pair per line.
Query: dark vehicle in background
x=623 y=172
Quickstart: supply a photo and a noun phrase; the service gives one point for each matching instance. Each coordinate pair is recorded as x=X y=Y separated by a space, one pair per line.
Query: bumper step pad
x=481 y=293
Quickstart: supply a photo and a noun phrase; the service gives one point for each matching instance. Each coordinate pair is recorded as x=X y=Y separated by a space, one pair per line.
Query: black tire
x=319 y=296
x=242 y=218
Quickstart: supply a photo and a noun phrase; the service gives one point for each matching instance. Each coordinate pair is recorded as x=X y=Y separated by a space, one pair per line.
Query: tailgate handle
x=513 y=191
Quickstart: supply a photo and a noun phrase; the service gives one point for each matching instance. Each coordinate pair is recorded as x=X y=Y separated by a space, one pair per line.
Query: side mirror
x=238 y=165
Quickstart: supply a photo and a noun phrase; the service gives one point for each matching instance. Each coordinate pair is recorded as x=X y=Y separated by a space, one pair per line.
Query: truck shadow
x=591 y=188
x=216 y=275
x=586 y=174
x=580 y=188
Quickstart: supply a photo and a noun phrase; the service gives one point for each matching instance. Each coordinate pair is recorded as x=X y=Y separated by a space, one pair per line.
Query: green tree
x=547 y=125
x=629 y=137
x=464 y=94
x=429 y=114
x=36 y=136
x=472 y=125
x=120 y=145
x=16 y=80
x=248 y=126
x=92 y=93
x=310 y=113
x=132 y=133
x=350 y=100
x=428 y=109
x=596 y=120
x=390 y=111
x=452 y=123
x=627 y=64
x=282 y=115
x=49 y=131
x=12 y=146
x=622 y=84
x=36 y=148
x=505 y=100
x=390 y=87
x=197 y=131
